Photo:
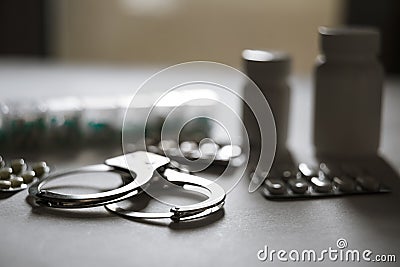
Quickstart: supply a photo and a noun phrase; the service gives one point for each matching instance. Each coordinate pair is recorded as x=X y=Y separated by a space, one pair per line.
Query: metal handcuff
x=142 y=165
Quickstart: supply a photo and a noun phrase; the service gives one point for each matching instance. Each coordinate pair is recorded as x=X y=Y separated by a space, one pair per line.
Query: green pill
x=40 y=168
x=28 y=177
x=5 y=184
x=16 y=182
x=2 y=162
x=5 y=173
x=18 y=166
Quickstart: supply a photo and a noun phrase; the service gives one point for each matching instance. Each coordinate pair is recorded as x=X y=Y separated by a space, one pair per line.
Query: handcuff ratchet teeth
x=136 y=170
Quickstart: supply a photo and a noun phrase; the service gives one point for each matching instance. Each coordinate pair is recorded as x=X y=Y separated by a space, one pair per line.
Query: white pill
x=275 y=186
x=298 y=185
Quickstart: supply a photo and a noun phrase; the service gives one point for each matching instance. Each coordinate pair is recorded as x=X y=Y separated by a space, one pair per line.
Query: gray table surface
x=42 y=237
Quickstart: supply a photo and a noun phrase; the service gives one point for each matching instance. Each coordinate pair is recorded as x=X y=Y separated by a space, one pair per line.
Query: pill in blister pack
x=18 y=175
x=199 y=153
x=325 y=181
x=97 y=121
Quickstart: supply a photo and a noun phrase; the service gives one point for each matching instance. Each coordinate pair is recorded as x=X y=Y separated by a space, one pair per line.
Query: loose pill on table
x=5 y=184
x=40 y=168
x=18 y=166
x=5 y=173
x=16 y=182
x=28 y=176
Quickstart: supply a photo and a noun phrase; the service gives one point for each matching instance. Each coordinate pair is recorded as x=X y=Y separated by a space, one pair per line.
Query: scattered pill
x=16 y=182
x=2 y=162
x=40 y=168
x=28 y=176
x=5 y=173
x=5 y=184
x=18 y=166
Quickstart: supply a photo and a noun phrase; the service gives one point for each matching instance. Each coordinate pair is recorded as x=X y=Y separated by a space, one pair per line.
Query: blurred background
x=98 y=51
x=173 y=31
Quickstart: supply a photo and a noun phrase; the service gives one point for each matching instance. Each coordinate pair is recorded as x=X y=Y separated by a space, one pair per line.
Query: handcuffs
x=142 y=166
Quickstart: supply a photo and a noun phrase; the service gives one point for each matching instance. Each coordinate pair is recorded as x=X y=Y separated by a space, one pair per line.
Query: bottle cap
x=349 y=40
x=262 y=66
